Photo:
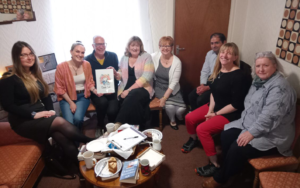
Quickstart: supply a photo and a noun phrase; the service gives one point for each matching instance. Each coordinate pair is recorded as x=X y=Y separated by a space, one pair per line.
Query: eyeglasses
x=161 y=46
x=25 y=56
x=100 y=44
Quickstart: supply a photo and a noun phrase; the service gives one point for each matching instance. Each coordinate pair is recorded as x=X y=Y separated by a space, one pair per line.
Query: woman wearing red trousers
x=229 y=86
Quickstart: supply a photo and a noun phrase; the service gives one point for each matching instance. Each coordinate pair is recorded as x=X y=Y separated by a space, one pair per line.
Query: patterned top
x=143 y=69
x=269 y=115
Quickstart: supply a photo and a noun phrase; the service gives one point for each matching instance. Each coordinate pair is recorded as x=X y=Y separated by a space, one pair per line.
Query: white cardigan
x=174 y=73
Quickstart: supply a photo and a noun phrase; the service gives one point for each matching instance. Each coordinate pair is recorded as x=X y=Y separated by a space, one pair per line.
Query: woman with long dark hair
x=30 y=108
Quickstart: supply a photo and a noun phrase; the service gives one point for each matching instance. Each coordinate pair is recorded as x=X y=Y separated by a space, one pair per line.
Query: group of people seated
x=255 y=118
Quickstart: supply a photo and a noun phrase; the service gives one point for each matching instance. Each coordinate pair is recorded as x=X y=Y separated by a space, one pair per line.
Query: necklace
x=166 y=61
x=75 y=70
x=220 y=74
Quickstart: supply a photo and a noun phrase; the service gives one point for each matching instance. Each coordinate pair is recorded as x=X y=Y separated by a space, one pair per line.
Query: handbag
x=54 y=162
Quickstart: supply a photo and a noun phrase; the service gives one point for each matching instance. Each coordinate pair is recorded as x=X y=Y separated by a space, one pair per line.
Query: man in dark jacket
x=104 y=103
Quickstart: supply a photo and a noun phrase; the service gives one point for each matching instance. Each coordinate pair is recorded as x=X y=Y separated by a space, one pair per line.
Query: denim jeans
x=82 y=104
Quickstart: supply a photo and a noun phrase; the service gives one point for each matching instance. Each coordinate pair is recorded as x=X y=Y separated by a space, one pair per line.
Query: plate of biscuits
x=111 y=168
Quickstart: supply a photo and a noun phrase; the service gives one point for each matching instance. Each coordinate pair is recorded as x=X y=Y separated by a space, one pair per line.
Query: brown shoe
x=211 y=183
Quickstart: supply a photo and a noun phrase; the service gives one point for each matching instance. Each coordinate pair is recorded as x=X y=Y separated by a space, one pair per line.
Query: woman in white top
x=73 y=85
x=167 y=75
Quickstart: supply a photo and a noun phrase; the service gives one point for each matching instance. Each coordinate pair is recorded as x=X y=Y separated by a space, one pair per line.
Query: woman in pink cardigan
x=73 y=85
x=136 y=71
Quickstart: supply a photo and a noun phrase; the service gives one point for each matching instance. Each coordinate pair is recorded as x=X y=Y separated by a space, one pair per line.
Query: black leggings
x=134 y=109
x=64 y=133
x=105 y=105
x=198 y=100
x=234 y=156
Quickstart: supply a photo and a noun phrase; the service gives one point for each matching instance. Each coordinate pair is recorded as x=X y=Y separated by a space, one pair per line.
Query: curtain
x=115 y=20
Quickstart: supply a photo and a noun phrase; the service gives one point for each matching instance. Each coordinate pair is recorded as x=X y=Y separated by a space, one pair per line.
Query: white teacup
x=110 y=127
x=89 y=159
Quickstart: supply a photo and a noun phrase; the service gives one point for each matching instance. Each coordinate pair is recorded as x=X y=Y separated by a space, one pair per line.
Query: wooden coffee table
x=90 y=177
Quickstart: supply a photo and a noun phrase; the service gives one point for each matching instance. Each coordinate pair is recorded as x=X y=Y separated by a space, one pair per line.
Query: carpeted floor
x=177 y=171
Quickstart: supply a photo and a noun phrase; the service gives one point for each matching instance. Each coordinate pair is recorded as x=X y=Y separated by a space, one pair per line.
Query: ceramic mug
x=110 y=127
x=145 y=168
x=156 y=145
x=89 y=159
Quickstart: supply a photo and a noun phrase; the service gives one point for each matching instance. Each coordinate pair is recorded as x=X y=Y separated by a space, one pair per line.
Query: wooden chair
x=154 y=105
x=91 y=108
x=277 y=163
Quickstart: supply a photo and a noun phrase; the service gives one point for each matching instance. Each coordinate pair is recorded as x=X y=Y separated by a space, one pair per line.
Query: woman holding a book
x=135 y=90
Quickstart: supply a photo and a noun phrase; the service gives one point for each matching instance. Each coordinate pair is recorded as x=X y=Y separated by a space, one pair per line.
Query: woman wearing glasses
x=167 y=75
x=135 y=90
x=266 y=126
x=29 y=106
x=73 y=85
x=105 y=104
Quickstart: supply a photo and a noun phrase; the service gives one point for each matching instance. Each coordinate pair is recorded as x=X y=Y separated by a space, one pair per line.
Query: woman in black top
x=229 y=86
x=30 y=108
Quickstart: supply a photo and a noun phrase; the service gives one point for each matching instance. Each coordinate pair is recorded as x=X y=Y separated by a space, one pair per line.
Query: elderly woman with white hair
x=266 y=126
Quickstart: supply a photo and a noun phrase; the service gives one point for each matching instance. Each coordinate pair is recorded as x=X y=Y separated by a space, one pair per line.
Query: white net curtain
x=115 y=20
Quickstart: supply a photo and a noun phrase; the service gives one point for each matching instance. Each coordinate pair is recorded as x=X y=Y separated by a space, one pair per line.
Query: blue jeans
x=82 y=104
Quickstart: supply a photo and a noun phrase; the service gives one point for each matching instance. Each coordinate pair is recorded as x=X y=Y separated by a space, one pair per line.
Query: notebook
x=127 y=138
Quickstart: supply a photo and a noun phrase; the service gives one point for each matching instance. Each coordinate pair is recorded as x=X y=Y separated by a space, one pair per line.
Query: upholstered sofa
x=20 y=159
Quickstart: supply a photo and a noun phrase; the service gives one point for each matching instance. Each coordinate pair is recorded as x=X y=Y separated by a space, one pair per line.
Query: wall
x=254 y=26
x=162 y=19
x=37 y=33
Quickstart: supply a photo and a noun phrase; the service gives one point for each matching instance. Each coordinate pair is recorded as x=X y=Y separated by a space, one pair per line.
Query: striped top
x=144 y=70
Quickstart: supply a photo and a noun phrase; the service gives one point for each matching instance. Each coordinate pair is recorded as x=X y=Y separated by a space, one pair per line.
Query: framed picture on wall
x=15 y=11
x=47 y=62
x=9 y=68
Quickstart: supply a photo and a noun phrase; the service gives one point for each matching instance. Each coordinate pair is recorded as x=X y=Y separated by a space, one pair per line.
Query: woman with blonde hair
x=167 y=75
x=135 y=89
x=73 y=85
x=266 y=126
x=30 y=108
x=229 y=87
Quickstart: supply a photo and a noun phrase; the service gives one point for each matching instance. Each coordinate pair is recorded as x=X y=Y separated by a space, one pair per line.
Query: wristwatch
x=33 y=114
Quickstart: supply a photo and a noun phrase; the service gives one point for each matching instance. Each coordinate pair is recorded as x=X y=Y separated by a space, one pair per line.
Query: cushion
x=274 y=162
x=279 y=179
x=8 y=136
x=17 y=162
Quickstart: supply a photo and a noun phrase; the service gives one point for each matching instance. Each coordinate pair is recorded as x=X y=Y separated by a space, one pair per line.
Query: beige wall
x=254 y=27
x=37 y=33
x=162 y=19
